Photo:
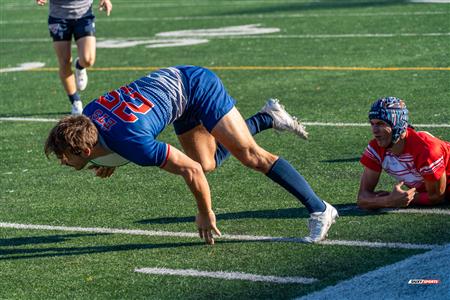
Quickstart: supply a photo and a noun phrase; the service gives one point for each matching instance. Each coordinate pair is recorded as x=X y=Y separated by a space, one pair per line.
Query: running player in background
x=416 y=159
x=75 y=18
x=126 y=122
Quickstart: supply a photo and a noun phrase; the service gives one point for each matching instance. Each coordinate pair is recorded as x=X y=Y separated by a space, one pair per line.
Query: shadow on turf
x=286 y=213
x=29 y=253
x=342 y=160
x=300 y=7
x=33 y=240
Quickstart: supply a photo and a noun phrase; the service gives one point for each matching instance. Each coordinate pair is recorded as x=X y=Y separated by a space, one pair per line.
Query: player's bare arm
x=368 y=198
x=435 y=193
x=192 y=172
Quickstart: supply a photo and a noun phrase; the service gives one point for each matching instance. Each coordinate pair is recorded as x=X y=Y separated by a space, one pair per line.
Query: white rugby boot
x=282 y=120
x=81 y=77
x=319 y=223
x=77 y=108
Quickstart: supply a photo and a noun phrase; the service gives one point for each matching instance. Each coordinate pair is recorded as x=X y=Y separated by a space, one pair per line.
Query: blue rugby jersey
x=131 y=117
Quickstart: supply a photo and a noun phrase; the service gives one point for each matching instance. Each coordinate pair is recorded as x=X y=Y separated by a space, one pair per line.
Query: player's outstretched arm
x=192 y=172
x=368 y=198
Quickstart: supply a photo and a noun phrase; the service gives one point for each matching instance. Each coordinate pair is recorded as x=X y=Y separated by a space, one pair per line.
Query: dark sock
x=255 y=124
x=283 y=173
x=74 y=97
x=77 y=65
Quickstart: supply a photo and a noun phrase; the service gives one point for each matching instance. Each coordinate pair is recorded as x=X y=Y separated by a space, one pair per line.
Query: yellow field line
x=267 y=68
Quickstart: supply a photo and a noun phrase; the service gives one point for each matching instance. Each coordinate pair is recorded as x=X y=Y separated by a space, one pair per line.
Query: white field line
x=226 y=275
x=425 y=211
x=273 y=36
x=19 y=119
x=224 y=237
x=163 y=4
x=246 y=16
x=51 y=120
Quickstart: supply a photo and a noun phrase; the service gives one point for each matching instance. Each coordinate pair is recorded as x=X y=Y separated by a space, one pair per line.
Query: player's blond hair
x=72 y=134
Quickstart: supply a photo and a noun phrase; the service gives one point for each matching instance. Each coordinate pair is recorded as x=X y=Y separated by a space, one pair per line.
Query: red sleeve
x=372 y=156
x=430 y=163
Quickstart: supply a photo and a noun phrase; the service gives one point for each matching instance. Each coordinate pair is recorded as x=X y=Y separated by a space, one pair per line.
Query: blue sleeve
x=148 y=153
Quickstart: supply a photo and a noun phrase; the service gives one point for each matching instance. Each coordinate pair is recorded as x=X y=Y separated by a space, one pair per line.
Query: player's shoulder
x=423 y=143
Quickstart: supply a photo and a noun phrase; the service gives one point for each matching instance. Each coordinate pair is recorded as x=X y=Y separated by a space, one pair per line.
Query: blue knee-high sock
x=283 y=173
x=74 y=97
x=255 y=124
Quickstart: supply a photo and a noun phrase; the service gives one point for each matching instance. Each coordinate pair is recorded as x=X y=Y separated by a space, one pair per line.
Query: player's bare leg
x=64 y=54
x=231 y=131
x=86 y=59
x=200 y=146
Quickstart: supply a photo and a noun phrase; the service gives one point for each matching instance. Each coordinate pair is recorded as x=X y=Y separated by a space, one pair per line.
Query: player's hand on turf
x=400 y=197
x=206 y=224
x=102 y=172
x=41 y=2
x=106 y=6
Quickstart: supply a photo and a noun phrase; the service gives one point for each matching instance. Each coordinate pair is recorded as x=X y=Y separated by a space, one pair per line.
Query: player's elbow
x=436 y=198
x=360 y=201
x=192 y=172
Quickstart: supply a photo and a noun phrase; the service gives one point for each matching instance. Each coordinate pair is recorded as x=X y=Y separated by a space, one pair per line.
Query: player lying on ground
x=127 y=121
x=416 y=159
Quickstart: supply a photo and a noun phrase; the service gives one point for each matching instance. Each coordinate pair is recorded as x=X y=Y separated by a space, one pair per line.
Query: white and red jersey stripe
x=424 y=157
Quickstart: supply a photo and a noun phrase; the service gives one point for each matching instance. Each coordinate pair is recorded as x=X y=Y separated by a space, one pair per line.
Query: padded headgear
x=393 y=111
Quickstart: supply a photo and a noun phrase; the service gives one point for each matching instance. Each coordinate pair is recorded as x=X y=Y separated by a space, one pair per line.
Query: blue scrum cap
x=393 y=111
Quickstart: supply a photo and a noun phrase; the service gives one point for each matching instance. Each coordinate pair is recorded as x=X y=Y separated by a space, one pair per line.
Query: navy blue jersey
x=130 y=118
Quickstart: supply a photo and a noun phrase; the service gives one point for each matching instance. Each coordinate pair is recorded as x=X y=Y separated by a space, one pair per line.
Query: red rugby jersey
x=424 y=157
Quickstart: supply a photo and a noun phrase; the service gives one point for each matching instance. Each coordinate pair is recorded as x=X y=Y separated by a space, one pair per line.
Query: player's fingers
x=399 y=185
x=109 y=172
x=208 y=237
x=200 y=233
x=216 y=230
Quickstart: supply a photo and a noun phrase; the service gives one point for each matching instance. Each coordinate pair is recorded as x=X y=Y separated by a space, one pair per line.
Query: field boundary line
x=425 y=211
x=257 y=68
x=323 y=124
x=234 y=237
x=231 y=17
x=268 y=36
x=225 y=275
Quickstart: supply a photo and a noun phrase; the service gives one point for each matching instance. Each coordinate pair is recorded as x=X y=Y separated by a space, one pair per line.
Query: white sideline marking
x=425 y=211
x=51 y=120
x=429 y=1
x=19 y=119
x=191 y=33
x=391 y=282
x=224 y=237
x=23 y=67
x=243 y=16
x=226 y=275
